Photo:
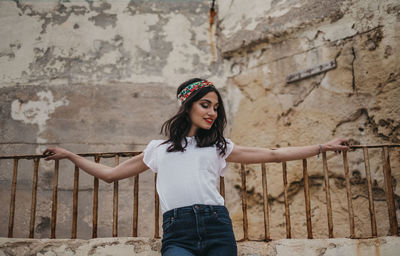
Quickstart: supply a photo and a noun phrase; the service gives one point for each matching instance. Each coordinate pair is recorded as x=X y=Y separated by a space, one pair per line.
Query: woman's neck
x=192 y=132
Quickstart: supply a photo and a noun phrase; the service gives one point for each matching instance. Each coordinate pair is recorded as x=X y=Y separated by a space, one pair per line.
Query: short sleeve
x=150 y=155
x=229 y=148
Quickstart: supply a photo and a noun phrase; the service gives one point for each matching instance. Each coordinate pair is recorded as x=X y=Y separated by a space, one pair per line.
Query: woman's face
x=204 y=112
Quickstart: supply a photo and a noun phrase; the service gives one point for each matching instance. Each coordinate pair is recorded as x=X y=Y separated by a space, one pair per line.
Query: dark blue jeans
x=198 y=230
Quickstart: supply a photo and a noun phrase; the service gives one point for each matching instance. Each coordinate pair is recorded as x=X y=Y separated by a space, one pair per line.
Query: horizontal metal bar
x=376 y=146
x=311 y=72
x=102 y=155
x=134 y=153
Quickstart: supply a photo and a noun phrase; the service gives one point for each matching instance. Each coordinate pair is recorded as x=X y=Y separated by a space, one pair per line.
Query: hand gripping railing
x=388 y=188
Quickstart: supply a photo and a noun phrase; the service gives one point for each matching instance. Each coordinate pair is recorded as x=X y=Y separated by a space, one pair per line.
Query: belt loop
x=211 y=208
x=175 y=213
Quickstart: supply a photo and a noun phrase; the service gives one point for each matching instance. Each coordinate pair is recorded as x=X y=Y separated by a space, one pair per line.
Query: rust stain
x=211 y=20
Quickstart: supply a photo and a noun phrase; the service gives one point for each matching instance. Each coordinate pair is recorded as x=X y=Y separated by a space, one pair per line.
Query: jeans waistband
x=193 y=208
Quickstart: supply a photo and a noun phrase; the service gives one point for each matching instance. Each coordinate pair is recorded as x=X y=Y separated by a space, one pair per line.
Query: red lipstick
x=208 y=120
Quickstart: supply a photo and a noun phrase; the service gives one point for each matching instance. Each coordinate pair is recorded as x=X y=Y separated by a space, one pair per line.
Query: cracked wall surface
x=100 y=41
x=95 y=76
x=358 y=99
x=92 y=76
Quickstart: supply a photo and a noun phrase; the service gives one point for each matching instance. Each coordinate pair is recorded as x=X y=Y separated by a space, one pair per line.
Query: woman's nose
x=212 y=112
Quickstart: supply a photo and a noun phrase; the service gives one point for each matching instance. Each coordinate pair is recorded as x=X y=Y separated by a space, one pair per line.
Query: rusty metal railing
x=388 y=188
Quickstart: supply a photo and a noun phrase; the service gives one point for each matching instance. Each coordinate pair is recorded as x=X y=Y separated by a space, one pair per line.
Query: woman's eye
x=204 y=105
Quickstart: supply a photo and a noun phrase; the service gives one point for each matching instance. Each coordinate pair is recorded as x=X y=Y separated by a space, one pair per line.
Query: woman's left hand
x=336 y=144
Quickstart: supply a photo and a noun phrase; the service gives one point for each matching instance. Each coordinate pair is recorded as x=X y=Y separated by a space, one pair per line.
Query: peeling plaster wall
x=262 y=43
x=101 y=42
x=92 y=76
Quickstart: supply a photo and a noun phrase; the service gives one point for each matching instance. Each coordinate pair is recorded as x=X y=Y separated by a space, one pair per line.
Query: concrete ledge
x=148 y=247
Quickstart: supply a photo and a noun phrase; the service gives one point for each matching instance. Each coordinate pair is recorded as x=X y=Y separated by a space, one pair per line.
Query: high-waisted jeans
x=198 y=230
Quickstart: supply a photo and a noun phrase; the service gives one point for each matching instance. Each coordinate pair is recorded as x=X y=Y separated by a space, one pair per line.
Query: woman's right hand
x=56 y=153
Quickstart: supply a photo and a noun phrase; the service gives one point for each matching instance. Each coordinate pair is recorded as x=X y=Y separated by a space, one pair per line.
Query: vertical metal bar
x=328 y=195
x=55 y=198
x=115 y=202
x=75 y=203
x=222 y=186
x=287 y=210
x=33 y=201
x=349 y=194
x=135 y=206
x=307 y=199
x=389 y=192
x=12 y=199
x=244 y=203
x=370 y=194
x=265 y=201
x=156 y=209
x=95 y=201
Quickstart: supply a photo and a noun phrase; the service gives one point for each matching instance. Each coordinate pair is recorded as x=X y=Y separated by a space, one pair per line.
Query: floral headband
x=188 y=90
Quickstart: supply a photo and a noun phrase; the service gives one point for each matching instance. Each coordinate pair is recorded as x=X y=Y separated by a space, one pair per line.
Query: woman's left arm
x=251 y=155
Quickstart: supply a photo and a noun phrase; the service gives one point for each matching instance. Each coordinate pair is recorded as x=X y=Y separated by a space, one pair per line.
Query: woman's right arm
x=130 y=167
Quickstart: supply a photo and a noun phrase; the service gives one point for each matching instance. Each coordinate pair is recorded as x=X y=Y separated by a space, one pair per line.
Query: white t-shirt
x=189 y=177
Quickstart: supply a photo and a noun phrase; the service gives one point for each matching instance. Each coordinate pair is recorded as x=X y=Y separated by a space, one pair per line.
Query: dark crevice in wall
x=303 y=97
x=244 y=51
x=388 y=124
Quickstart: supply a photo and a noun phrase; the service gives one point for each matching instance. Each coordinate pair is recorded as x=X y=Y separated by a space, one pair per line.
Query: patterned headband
x=188 y=90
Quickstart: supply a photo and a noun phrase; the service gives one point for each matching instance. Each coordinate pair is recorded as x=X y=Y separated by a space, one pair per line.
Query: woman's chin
x=208 y=127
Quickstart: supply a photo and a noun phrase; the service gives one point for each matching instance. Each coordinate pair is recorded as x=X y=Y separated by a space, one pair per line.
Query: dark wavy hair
x=178 y=126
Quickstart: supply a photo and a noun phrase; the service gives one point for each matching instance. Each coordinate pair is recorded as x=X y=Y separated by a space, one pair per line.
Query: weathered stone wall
x=262 y=43
x=384 y=246
x=92 y=76
x=97 y=76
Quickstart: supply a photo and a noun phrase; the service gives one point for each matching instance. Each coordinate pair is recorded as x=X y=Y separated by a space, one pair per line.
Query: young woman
x=189 y=164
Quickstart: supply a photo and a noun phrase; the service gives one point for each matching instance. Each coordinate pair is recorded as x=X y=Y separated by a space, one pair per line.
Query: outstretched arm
x=251 y=155
x=130 y=167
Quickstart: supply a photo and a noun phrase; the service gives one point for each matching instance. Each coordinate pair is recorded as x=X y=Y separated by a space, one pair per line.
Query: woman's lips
x=208 y=120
